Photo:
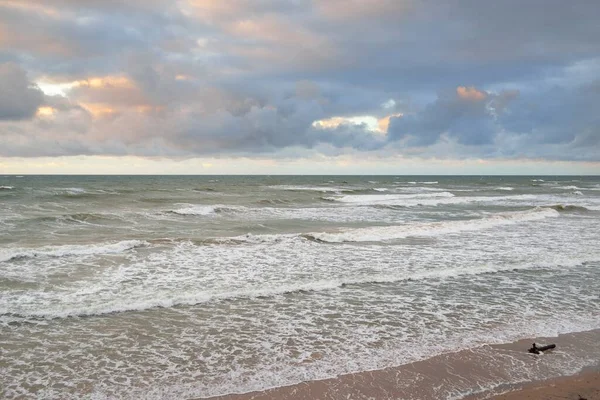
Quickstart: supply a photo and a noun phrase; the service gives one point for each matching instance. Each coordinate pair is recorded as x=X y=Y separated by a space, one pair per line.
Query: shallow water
x=201 y=286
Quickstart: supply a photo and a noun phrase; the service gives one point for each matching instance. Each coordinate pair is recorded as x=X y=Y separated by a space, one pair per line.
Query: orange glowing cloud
x=383 y=124
x=368 y=121
x=99 y=110
x=46 y=112
x=106 y=82
x=470 y=93
x=30 y=7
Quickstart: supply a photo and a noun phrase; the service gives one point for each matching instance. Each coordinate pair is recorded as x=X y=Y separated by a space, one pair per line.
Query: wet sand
x=585 y=385
x=474 y=374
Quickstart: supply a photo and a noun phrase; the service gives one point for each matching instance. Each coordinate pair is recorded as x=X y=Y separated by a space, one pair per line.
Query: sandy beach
x=506 y=371
x=585 y=385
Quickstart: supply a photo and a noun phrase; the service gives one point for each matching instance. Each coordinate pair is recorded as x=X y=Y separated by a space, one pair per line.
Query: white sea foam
x=507 y=188
x=161 y=299
x=6 y=187
x=422 y=183
x=322 y=189
x=434 y=199
x=568 y=187
x=8 y=254
x=384 y=233
x=74 y=190
x=388 y=198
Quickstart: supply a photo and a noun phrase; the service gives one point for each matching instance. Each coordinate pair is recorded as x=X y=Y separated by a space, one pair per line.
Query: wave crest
x=206 y=209
x=70 y=250
x=387 y=233
x=195 y=298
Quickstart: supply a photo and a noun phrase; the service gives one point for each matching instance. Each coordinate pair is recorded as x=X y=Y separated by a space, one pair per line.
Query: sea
x=169 y=287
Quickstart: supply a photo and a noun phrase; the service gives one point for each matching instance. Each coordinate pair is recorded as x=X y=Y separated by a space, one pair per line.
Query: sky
x=299 y=87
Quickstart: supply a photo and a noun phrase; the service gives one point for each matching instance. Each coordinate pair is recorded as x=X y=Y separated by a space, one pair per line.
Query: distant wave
x=567 y=187
x=330 y=189
x=387 y=198
x=394 y=232
x=206 y=209
x=507 y=188
x=73 y=192
x=206 y=189
x=323 y=189
x=273 y=201
x=85 y=218
x=569 y=208
x=195 y=297
x=70 y=250
x=7 y=187
x=422 y=199
x=385 y=233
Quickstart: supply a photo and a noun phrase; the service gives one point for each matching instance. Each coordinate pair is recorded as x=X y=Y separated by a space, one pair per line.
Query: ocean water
x=165 y=287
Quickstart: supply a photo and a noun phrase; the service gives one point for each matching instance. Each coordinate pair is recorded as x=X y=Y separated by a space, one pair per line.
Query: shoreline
x=581 y=386
x=473 y=374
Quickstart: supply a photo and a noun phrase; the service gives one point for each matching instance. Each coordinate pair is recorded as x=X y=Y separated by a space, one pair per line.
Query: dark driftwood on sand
x=536 y=350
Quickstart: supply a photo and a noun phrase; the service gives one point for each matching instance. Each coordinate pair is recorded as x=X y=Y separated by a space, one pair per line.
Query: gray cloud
x=467 y=118
x=19 y=98
x=247 y=77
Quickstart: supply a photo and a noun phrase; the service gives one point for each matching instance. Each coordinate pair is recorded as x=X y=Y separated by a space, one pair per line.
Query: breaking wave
x=394 y=232
x=569 y=208
x=386 y=233
x=70 y=250
x=194 y=298
x=387 y=198
x=422 y=199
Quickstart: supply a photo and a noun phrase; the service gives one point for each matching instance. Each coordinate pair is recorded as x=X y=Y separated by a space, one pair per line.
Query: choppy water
x=162 y=287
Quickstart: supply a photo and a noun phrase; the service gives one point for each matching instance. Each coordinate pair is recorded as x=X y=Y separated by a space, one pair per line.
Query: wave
x=206 y=209
x=328 y=189
x=82 y=218
x=387 y=233
x=422 y=183
x=507 y=188
x=206 y=189
x=73 y=193
x=70 y=250
x=395 y=232
x=568 y=187
x=423 y=199
x=270 y=202
x=195 y=298
x=7 y=187
x=322 y=189
x=386 y=198
x=569 y=208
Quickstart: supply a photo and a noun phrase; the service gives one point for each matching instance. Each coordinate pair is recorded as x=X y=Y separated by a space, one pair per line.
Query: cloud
x=462 y=114
x=459 y=79
x=555 y=123
x=19 y=97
